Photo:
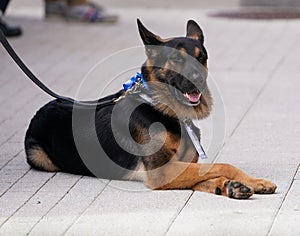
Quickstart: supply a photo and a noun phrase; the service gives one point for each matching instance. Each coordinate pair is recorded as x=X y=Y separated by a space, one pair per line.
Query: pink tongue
x=193 y=97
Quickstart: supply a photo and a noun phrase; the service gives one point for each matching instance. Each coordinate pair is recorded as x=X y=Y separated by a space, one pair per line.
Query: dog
x=138 y=138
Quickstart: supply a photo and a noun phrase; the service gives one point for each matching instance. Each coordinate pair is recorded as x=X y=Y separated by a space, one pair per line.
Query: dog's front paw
x=262 y=186
x=238 y=190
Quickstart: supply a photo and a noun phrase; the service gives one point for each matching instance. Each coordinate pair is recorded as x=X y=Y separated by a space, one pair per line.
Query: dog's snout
x=195 y=73
x=195 y=76
x=197 y=80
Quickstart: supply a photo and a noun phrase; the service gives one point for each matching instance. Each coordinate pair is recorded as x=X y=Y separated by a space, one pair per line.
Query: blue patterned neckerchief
x=138 y=78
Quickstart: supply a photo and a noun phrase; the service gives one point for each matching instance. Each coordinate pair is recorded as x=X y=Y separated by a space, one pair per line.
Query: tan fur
x=196 y=37
x=183 y=52
x=40 y=159
x=197 y=52
x=210 y=185
x=170 y=106
x=180 y=175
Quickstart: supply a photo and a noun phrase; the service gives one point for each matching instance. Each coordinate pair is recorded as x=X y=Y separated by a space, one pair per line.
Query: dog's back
x=52 y=145
x=48 y=138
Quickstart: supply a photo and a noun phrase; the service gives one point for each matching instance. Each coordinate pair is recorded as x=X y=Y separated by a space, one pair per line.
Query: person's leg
x=59 y=7
x=78 y=10
x=84 y=10
x=55 y=8
x=3 y=5
x=76 y=2
x=8 y=31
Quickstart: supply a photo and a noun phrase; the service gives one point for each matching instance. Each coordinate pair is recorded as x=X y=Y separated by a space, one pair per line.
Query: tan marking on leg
x=178 y=175
x=258 y=185
x=210 y=186
x=261 y=186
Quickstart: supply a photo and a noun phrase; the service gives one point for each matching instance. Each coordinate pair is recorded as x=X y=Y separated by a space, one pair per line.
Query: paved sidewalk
x=255 y=65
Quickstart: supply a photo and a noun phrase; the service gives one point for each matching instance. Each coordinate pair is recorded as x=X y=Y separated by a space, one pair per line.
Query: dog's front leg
x=222 y=179
x=178 y=175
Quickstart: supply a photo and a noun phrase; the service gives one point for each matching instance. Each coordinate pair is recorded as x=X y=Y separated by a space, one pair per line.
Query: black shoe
x=10 y=31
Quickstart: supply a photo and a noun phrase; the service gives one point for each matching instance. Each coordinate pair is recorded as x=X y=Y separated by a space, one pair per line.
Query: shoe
x=89 y=13
x=10 y=31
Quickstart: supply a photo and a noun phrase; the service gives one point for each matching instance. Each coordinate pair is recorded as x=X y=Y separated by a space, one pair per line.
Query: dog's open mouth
x=193 y=97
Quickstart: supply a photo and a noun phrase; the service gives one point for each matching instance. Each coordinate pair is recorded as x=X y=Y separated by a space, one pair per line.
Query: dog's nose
x=197 y=79
x=195 y=76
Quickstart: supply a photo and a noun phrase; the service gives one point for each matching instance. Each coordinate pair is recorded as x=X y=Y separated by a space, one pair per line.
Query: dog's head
x=176 y=71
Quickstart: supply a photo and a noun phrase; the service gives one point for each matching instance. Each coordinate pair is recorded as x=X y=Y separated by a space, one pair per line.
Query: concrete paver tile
x=254 y=63
x=287 y=220
x=125 y=212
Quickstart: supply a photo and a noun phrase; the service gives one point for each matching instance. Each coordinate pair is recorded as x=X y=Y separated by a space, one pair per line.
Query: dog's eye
x=202 y=59
x=177 y=59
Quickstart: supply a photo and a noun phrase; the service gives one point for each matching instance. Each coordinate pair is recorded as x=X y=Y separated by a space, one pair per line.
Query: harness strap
x=195 y=139
x=188 y=125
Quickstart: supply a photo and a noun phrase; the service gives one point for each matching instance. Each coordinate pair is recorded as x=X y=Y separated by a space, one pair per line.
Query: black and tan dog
x=56 y=141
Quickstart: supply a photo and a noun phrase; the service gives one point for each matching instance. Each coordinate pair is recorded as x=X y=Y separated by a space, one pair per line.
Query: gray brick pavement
x=255 y=65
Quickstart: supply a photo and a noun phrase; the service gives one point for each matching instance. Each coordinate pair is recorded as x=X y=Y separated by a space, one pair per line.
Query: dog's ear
x=194 y=31
x=148 y=37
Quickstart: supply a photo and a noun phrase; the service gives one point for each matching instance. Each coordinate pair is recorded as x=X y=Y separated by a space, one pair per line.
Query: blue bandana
x=135 y=79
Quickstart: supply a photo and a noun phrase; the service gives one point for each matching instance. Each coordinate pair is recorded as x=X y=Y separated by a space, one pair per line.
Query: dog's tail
x=37 y=157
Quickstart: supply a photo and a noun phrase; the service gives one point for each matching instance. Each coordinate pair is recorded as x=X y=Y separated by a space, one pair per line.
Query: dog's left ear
x=194 y=31
x=148 y=37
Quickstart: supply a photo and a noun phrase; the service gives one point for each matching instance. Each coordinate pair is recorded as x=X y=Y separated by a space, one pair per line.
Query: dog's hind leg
x=37 y=158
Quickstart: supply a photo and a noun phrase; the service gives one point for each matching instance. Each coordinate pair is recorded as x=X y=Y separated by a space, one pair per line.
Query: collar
x=137 y=83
